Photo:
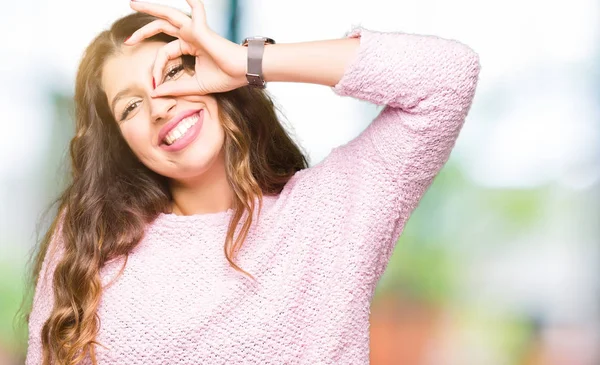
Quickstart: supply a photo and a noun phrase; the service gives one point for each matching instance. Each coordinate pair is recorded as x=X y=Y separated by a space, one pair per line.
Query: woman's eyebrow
x=120 y=95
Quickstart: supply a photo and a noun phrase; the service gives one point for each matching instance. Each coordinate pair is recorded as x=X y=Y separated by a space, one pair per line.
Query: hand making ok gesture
x=220 y=63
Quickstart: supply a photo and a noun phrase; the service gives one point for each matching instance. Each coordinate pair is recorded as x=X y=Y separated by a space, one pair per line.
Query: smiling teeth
x=181 y=128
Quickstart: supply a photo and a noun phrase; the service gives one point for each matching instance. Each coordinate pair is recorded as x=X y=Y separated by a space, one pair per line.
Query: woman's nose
x=161 y=108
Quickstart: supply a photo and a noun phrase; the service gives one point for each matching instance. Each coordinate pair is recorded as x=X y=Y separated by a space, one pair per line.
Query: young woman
x=193 y=231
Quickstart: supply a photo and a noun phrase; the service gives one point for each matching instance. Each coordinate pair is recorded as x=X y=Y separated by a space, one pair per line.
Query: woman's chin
x=185 y=169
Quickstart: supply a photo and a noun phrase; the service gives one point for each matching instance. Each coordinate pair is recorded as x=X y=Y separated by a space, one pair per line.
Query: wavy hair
x=112 y=196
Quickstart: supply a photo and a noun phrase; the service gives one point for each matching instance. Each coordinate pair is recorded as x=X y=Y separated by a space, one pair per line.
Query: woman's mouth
x=182 y=128
x=184 y=133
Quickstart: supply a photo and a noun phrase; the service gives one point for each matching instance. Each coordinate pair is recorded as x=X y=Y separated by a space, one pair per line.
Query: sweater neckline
x=217 y=218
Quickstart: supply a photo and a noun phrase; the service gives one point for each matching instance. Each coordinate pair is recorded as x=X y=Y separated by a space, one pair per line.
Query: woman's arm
x=318 y=62
x=426 y=84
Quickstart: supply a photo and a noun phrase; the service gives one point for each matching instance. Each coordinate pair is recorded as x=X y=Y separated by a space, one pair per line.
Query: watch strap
x=256 y=48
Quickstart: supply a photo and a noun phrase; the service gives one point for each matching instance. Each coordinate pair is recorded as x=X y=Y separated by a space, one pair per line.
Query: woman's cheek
x=138 y=139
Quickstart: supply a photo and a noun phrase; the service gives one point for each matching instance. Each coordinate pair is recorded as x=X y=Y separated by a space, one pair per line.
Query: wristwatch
x=256 y=48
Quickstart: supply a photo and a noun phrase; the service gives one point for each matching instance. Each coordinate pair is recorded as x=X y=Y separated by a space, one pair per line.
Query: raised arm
x=426 y=84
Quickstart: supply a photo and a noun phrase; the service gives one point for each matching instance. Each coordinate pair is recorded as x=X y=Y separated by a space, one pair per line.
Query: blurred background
x=499 y=264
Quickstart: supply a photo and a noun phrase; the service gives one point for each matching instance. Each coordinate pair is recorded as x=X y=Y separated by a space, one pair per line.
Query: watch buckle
x=255 y=80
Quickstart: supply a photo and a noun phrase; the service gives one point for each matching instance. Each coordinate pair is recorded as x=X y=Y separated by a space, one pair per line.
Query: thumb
x=178 y=88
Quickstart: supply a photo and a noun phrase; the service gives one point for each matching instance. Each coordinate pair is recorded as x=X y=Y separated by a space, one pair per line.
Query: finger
x=195 y=4
x=186 y=87
x=153 y=28
x=169 y=51
x=172 y=15
x=192 y=3
x=198 y=12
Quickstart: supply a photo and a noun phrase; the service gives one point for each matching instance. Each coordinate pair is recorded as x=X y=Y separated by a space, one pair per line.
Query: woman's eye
x=128 y=109
x=173 y=71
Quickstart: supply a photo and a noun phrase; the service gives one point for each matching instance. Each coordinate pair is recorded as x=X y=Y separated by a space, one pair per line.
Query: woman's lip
x=173 y=123
x=188 y=138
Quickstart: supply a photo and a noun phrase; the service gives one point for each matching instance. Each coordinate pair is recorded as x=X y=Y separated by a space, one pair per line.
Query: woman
x=173 y=151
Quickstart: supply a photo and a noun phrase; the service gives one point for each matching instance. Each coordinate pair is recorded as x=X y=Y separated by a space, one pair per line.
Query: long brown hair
x=112 y=196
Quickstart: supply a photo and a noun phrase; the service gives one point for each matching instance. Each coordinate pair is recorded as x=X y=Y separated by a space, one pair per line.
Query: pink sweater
x=317 y=250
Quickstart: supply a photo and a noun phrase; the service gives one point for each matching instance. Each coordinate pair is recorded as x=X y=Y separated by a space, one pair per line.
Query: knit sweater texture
x=317 y=249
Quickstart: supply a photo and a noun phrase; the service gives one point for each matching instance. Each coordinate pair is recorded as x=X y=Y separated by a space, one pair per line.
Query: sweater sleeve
x=374 y=182
x=427 y=85
x=43 y=298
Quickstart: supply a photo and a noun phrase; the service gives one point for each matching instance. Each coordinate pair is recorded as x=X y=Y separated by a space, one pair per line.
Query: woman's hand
x=220 y=63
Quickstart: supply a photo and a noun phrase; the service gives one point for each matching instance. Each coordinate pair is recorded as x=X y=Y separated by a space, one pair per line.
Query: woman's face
x=177 y=137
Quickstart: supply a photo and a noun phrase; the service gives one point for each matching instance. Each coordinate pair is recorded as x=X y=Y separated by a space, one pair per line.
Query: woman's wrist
x=316 y=62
